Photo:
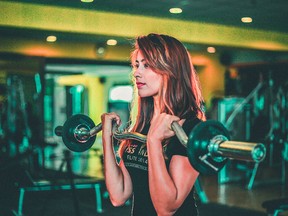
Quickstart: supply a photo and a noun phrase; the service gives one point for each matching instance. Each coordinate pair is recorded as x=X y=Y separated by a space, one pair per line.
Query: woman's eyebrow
x=142 y=60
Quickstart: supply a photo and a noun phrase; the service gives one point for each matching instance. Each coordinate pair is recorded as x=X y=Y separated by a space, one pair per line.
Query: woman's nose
x=137 y=73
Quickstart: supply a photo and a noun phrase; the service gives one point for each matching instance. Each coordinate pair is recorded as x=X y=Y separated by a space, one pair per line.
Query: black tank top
x=135 y=158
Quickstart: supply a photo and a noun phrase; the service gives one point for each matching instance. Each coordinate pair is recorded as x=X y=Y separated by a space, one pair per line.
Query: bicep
x=183 y=176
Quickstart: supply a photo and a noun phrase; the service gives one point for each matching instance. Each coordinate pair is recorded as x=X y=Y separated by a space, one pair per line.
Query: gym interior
x=64 y=63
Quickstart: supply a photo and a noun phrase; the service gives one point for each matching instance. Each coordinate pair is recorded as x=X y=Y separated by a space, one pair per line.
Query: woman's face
x=147 y=81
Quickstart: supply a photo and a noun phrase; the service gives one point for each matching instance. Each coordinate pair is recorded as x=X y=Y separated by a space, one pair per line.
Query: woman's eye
x=136 y=66
x=146 y=65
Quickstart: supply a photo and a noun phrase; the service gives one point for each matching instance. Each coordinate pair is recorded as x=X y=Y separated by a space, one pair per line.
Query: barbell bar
x=208 y=144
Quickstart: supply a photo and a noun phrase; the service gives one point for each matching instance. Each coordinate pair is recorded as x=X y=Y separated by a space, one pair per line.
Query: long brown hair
x=181 y=94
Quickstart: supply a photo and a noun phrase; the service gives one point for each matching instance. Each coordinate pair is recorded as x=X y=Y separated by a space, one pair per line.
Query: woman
x=156 y=174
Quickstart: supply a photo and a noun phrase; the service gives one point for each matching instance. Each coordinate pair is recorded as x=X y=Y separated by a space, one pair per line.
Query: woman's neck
x=157 y=109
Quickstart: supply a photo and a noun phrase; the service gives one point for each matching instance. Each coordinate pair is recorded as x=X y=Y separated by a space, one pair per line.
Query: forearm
x=116 y=179
x=162 y=188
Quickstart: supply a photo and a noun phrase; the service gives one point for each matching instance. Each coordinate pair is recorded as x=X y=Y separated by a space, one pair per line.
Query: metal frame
x=47 y=187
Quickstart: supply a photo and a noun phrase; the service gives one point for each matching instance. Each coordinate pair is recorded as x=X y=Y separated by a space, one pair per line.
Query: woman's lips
x=140 y=84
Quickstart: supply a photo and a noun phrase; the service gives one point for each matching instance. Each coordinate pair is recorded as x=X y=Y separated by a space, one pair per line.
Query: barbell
x=208 y=145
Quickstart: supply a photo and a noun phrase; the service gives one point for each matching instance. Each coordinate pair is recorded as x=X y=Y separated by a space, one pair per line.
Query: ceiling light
x=51 y=38
x=101 y=51
x=175 y=10
x=246 y=19
x=211 y=49
x=87 y=1
x=111 y=42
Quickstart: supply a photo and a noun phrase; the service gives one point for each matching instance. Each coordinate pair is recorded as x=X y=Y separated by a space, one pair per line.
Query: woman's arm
x=168 y=188
x=117 y=178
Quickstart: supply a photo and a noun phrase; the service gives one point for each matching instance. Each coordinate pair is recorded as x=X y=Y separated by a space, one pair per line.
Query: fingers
x=160 y=128
x=181 y=122
x=168 y=119
x=111 y=117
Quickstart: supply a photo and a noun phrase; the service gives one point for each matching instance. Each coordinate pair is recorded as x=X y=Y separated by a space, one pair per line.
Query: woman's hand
x=160 y=128
x=108 y=119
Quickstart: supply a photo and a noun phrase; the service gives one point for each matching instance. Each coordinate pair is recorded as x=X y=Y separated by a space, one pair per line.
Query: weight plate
x=69 y=138
x=197 y=147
